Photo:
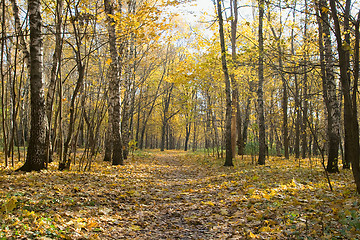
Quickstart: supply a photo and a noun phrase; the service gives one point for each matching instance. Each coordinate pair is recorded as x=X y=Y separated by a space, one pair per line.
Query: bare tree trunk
x=329 y=88
x=108 y=136
x=165 y=117
x=236 y=115
x=228 y=149
x=129 y=88
x=36 y=153
x=114 y=87
x=243 y=139
x=305 y=88
x=3 y=107
x=261 y=117
x=19 y=32
x=284 y=107
x=351 y=125
x=284 y=100
x=54 y=76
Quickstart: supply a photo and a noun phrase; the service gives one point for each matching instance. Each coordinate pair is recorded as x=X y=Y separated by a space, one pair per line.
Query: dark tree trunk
x=187 y=135
x=228 y=149
x=260 y=93
x=305 y=88
x=165 y=117
x=351 y=125
x=285 y=131
x=243 y=140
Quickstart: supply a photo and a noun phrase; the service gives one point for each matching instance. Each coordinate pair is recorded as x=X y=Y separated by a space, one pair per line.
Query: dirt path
x=175 y=203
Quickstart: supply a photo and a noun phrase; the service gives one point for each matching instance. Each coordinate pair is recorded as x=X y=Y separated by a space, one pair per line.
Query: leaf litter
x=179 y=195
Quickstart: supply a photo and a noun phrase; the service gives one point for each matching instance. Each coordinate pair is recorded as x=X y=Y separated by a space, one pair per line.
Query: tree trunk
x=261 y=117
x=114 y=87
x=245 y=128
x=187 y=135
x=236 y=116
x=329 y=89
x=108 y=139
x=53 y=77
x=228 y=149
x=351 y=125
x=305 y=88
x=165 y=118
x=3 y=81
x=36 y=152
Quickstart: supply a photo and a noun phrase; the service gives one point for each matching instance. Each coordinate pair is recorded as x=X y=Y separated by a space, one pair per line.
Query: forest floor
x=180 y=195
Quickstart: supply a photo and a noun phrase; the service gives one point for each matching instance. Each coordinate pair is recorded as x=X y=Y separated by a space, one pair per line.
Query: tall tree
x=56 y=65
x=260 y=92
x=284 y=100
x=228 y=111
x=305 y=84
x=329 y=87
x=114 y=87
x=351 y=125
x=36 y=152
x=236 y=113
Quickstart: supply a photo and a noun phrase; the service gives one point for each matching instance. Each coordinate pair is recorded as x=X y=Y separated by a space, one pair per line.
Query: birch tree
x=36 y=152
x=114 y=87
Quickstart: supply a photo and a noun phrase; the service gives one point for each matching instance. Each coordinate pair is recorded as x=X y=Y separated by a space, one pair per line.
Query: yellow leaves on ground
x=8 y=205
x=174 y=194
x=209 y=203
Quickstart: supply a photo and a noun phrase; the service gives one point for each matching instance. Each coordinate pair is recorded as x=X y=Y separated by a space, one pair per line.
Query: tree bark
x=329 y=88
x=114 y=87
x=246 y=125
x=261 y=117
x=36 y=152
x=305 y=88
x=165 y=117
x=351 y=125
x=53 y=77
x=228 y=111
x=187 y=135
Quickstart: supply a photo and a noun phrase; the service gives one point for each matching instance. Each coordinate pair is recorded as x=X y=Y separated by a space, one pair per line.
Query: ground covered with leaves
x=179 y=195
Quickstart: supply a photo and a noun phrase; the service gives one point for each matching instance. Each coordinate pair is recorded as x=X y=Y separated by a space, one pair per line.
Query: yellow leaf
x=91 y=225
x=108 y=61
x=135 y=227
x=10 y=204
x=325 y=9
x=251 y=235
x=224 y=212
x=266 y=196
x=209 y=203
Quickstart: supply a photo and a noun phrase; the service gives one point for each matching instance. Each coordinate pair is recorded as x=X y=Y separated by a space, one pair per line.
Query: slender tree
x=228 y=111
x=329 y=87
x=260 y=92
x=351 y=125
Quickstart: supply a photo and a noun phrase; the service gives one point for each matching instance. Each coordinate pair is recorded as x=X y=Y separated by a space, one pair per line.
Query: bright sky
x=192 y=12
